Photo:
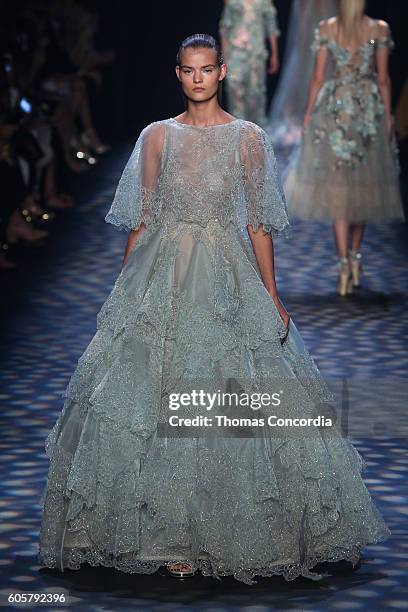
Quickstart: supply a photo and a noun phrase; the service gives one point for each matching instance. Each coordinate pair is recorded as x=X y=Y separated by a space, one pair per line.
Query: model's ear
x=178 y=72
x=223 y=72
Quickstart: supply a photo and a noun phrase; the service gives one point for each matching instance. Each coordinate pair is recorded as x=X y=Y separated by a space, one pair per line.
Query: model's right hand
x=273 y=64
x=284 y=315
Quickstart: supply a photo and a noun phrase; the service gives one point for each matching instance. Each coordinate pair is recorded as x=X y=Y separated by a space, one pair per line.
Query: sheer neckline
x=203 y=127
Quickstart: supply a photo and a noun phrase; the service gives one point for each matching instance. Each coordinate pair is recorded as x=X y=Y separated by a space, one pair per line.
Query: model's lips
x=198 y=89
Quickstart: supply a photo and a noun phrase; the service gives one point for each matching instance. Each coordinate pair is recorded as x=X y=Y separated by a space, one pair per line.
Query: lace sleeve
x=137 y=194
x=271 y=23
x=263 y=198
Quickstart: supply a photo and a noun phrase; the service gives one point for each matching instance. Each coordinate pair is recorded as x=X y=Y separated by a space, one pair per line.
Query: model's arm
x=272 y=29
x=274 y=61
x=223 y=28
x=383 y=78
x=224 y=45
x=262 y=244
x=264 y=205
x=131 y=242
x=318 y=75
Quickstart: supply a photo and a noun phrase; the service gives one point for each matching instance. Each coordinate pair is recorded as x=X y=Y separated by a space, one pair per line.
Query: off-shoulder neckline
x=203 y=127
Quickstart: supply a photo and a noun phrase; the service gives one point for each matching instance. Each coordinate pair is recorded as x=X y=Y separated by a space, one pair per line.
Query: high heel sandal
x=344 y=280
x=355 y=266
x=176 y=569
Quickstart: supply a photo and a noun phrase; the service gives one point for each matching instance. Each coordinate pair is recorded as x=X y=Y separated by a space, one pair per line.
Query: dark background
x=141 y=86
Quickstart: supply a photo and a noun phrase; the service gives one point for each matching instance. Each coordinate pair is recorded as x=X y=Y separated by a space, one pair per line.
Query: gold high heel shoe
x=344 y=280
x=355 y=266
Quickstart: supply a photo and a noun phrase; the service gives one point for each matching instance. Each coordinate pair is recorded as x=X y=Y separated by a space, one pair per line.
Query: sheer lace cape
x=178 y=173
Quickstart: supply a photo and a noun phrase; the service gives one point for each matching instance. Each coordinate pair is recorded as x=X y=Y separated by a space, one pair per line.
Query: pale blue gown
x=190 y=311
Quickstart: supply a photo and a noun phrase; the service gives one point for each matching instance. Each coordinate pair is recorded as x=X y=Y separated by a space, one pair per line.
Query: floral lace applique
x=353 y=100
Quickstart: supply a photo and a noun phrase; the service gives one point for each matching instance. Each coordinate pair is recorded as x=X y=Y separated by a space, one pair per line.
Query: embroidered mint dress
x=346 y=167
x=189 y=311
x=245 y=25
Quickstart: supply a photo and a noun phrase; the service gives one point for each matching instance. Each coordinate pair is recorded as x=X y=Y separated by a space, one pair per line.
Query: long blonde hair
x=349 y=20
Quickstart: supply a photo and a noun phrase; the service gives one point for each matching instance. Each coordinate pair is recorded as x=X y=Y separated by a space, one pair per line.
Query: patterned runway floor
x=359 y=343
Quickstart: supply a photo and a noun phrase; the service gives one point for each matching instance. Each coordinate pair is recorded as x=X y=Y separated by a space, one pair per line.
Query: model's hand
x=284 y=315
x=273 y=64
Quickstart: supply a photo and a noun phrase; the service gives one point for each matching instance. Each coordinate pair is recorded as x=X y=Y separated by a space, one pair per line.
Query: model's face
x=199 y=74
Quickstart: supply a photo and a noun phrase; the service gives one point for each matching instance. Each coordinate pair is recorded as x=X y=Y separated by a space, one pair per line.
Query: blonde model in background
x=346 y=169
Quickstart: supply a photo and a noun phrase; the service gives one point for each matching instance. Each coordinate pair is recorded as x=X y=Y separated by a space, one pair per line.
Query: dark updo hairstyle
x=197 y=41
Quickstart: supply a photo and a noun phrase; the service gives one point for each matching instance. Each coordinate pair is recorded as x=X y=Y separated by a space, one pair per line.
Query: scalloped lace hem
x=211 y=567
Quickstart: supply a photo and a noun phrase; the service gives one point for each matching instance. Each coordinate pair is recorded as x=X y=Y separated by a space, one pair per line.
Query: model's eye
x=187 y=71
x=208 y=69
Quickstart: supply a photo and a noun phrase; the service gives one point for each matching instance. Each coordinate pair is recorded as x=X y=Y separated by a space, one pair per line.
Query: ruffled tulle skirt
x=333 y=175
x=190 y=310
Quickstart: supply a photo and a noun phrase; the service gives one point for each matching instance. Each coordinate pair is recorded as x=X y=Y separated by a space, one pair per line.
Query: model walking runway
x=46 y=337
x=205 y=300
